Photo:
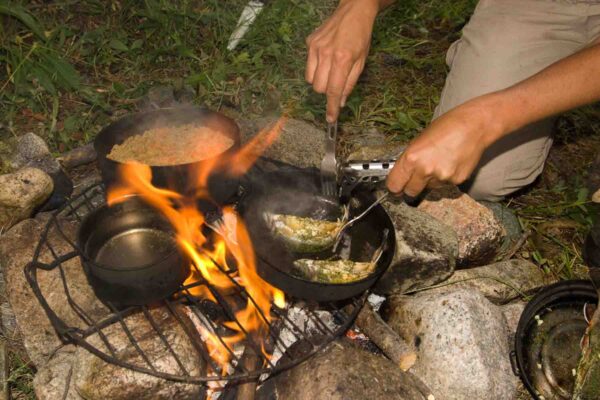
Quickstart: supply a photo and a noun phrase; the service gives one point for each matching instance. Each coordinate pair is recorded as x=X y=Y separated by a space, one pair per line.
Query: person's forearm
x=566 y=84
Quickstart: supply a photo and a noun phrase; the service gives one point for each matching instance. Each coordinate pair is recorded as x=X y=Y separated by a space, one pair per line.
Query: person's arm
x=450 y=148
x=338 y=49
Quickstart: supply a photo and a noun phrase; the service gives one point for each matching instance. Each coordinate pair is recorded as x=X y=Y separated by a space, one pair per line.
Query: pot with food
x=181 y=145
x=294 y=231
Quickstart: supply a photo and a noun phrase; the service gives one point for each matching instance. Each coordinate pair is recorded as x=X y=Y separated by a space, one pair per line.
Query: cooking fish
x=332 y=271
x=305 y=235
x=336 y=271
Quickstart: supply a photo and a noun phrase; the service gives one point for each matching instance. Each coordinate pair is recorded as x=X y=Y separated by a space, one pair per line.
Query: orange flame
x=239 y=163
x=209 y=256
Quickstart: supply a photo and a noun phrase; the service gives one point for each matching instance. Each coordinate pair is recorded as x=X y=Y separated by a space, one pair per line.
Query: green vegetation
x=20 y=377
x=68 y=67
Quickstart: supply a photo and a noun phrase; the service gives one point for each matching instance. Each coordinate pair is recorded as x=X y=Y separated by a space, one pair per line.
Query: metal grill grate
x=317 y=325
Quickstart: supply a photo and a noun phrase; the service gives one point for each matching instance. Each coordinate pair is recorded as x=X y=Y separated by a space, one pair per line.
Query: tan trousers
x=505 y=42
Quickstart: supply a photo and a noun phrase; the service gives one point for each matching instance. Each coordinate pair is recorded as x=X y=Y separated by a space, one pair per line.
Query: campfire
x=185 y=279
x=209 y=252
x=222 y=323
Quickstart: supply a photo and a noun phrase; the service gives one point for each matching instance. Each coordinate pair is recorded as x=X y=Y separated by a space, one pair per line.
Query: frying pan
x=130 y=255
x=180 y=178
x=297 y=192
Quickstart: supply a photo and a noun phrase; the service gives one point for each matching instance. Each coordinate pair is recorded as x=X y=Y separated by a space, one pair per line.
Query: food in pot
x=164 y=146
x=305 y=235
x=332 y=271
x=336 y=271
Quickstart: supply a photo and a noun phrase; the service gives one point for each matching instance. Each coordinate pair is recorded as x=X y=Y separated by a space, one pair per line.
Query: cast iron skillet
x=130 y=255
x=296 y=192
x=178 y=177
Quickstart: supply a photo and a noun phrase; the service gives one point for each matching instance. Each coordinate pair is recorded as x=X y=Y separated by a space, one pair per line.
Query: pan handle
x=370 y=173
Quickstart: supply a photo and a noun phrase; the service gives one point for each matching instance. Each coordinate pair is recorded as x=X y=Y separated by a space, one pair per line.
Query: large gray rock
x=479 y=232
x=9 y=323
x=344 y=372
x=462 y=346
x=16 y=251
x=358 y=137
x=54 y=380
x=20 y=193
x=500 y=282
x=512 y=314
x=95 y=379
x=4 y=371
x=30 y=150
x=300 y=144
x=512 y=227
x=425 y=250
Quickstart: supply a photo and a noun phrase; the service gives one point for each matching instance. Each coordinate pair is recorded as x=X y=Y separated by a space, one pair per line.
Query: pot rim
x=82 y=244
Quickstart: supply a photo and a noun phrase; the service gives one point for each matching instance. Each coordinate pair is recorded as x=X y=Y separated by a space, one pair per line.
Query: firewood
x=78 y=156
x=250 y=361
x=384 y=337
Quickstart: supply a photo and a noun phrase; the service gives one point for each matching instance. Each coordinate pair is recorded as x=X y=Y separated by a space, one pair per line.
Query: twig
x=517 y=245
x=521 y=293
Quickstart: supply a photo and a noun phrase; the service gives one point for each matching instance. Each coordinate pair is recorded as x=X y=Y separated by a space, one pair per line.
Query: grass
x=83 y=62
x=20 y=377
x=69 y=67
x=557 y=209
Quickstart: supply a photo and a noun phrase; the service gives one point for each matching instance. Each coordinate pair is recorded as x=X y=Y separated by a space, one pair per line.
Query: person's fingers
x=338 y=74
x=322 y=71
x=353 y=77
x=435 y=183
x=399 y=176
x=415 y=184
x=311 y=64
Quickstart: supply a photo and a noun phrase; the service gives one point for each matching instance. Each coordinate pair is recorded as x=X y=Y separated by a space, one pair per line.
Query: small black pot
x=130 y=255
x=181 y=178
x=548 y=336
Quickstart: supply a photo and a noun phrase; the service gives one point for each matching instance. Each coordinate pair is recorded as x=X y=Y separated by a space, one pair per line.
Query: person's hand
x=447 y=151
x=337 y=51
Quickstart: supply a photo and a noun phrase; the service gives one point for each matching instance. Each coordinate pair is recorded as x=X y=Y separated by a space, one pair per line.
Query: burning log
x=392 y=345
x=250 y=361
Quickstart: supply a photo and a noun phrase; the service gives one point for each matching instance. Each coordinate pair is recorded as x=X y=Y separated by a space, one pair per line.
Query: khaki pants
x=505 y=42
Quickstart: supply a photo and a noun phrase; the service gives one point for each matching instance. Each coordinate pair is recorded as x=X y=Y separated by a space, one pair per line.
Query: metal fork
x=338 y=236
x=329 y=163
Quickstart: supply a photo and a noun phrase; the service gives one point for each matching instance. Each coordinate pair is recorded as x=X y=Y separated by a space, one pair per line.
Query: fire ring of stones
x=187 y=328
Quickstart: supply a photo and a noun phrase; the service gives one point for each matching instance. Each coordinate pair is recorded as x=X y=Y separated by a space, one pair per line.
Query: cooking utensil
x=298 y=192
x=351 y=222
x=130 y=255
x=329 y=163
x=355 y=173
x=181 y=178
x=547 y=342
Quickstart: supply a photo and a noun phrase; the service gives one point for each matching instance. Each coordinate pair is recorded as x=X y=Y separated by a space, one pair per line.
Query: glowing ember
x=209 y=254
